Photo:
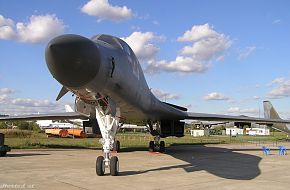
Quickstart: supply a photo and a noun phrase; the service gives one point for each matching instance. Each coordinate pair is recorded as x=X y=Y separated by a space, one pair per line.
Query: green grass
x=28 y=139
x=39 y=142
x=141 y=139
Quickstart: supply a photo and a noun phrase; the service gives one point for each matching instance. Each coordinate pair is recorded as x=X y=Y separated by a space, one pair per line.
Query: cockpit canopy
x=113 y=42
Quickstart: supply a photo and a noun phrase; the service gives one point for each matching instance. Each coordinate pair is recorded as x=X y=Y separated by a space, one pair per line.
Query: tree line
x=22 y=125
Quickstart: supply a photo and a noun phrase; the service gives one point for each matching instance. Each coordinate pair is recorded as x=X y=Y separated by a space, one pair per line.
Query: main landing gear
x=157 y=145
x=108 y=125
x=116 y=146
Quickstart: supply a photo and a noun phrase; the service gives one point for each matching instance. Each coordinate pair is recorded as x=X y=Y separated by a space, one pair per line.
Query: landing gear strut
x=157 y=145
x=108 y=125
x=3 y=148
x=116 y=146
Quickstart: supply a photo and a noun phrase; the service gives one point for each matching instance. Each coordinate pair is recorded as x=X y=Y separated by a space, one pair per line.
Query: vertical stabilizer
x=68 y=108
x=271 y=113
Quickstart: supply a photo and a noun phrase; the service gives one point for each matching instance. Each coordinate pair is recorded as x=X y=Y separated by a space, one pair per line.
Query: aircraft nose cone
x=73 y=60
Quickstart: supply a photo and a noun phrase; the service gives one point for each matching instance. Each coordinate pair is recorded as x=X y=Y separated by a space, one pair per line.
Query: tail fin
x=68 y=108
x=271 y=113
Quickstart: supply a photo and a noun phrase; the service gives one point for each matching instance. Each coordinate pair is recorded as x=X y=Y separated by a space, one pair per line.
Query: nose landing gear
x=108 y=125
x=157 y=145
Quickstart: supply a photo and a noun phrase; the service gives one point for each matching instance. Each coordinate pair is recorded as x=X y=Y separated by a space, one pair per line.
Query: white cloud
x=278 y=81
x=6 y=28
x=7 y=33
x=103 y=10
x=198 y=32
x=207 y=43
x=11 y=109
x=6 y=21
x=220 y=58
x=284 y=114
x=142 y=44
x=215 y=96
x=238 y=110
x=40 y=28
x=180 y=64
x=6 y=91
x=281 y=88
x=32 y=103
x=250 y=99
x=3 y=98
x=256 y=97
x=4 y=95
x=207 y=46
x=164 y=96
x=20 y=106
x=246 y=52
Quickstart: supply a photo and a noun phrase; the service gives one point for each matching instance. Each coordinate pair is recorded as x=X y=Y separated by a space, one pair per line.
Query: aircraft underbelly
x=131 y=114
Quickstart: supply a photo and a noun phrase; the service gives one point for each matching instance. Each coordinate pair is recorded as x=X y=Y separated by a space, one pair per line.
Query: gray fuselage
x=106 y=66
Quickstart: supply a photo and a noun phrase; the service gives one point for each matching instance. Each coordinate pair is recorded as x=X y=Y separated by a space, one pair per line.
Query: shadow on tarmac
x=25 y=154
x=221 y=162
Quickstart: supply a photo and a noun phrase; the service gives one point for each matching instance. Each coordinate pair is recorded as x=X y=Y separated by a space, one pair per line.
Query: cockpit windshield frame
x=108 y=40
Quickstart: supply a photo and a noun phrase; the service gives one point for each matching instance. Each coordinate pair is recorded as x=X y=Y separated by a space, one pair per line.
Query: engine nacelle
x=171 y=128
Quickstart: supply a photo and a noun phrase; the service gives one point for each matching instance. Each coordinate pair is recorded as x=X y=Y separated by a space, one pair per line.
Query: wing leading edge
x=53 y=116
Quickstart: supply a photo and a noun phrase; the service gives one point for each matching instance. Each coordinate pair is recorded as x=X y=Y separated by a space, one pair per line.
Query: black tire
x=116 y=146
x=114 y=166
x=2 y=139
x=100 y=167
x=151 y=146
x=162 y=146
x=2 y=154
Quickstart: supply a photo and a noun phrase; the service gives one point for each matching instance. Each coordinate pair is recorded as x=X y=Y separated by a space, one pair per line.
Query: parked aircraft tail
x=78 y=122
x=68 y=108
x=271 y=113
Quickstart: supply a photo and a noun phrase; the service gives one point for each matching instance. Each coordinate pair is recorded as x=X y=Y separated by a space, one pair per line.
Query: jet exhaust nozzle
x=73 y=60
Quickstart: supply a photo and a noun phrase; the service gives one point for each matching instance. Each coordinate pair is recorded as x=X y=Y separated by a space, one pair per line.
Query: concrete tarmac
x=182 y=167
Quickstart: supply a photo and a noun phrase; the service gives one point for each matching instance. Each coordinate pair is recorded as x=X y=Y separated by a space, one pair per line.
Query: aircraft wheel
x=117 y=146
x=162 y=146
x=114 y=166
x=100 y=166
x=2 y=154
x=151 y=146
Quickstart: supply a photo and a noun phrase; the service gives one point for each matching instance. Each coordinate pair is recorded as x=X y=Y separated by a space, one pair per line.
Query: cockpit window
x=125 y=47
x=109 y=40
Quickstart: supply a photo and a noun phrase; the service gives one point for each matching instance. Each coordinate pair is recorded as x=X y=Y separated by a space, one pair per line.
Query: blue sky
x=212 y=56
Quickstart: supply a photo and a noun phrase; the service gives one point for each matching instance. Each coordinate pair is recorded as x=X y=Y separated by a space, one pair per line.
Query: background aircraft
x=110 y=88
